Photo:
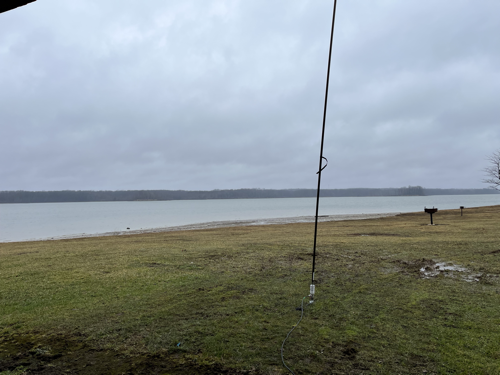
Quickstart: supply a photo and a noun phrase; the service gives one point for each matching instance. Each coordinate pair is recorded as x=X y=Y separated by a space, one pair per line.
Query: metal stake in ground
x=431 y=211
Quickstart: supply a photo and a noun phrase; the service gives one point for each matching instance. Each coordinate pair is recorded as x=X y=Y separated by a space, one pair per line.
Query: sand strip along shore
x=225 y=224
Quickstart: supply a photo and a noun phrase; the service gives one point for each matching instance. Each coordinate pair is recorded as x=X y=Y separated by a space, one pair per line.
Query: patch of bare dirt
x=58 y=354
x=429 y=268
x=413 y=267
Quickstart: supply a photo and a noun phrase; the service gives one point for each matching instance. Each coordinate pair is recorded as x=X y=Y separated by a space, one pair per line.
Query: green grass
x=18 y=371
x=224 y=299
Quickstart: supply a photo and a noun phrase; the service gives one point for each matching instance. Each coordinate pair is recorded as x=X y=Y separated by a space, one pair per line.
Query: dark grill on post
x=462 y=210
x=431 y=211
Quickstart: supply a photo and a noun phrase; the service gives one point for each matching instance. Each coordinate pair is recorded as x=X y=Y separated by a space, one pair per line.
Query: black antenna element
x=7 y=5
x=321 y=157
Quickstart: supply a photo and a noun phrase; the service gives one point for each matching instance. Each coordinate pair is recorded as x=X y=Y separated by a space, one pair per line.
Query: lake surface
x=23 y=222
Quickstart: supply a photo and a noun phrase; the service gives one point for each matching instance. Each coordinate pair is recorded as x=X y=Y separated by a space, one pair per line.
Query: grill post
x=430 y=211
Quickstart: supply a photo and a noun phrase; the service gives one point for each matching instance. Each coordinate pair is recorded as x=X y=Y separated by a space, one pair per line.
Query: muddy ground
x=56 y=354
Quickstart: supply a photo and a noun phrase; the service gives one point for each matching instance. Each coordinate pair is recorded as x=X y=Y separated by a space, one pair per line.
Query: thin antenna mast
x=321 y=157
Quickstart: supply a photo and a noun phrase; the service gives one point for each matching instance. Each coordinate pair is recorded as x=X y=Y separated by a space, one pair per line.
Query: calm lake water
x=22 y=222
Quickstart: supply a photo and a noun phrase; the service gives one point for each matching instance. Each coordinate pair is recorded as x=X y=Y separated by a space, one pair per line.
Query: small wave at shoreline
x=221 y=224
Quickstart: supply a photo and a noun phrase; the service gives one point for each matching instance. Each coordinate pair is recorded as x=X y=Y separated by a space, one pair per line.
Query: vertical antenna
x=321 y=157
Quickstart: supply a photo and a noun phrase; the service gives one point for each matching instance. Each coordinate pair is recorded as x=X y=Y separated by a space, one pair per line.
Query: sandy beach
x=228 y=224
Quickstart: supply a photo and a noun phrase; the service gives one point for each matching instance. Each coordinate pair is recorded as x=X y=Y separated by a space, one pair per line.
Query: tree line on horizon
x=22 y=196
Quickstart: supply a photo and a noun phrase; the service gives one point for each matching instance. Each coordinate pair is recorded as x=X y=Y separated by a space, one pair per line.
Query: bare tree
x=493 y=171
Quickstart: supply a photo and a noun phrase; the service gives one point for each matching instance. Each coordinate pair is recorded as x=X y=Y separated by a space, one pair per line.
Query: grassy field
x=221 y=301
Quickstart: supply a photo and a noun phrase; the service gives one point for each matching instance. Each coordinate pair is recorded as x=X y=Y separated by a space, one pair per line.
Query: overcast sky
x=227 y=94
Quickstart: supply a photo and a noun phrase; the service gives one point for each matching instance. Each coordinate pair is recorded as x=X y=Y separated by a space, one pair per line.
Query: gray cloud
x=219 y=94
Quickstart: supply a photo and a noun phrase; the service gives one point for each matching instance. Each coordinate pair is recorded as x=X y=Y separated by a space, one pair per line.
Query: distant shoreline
x=72 y=196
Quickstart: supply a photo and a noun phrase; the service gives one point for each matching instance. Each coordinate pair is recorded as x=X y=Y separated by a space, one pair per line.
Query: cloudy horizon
x=229 y=94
